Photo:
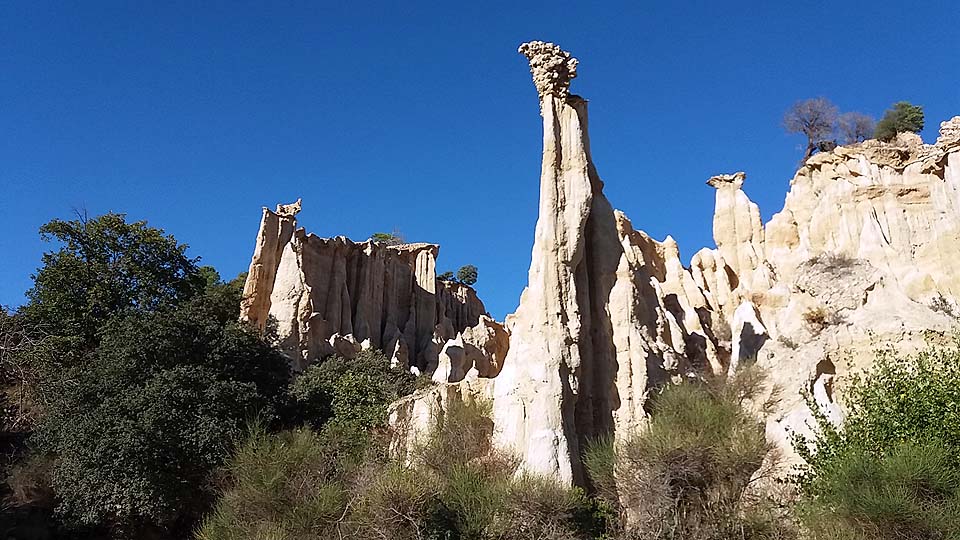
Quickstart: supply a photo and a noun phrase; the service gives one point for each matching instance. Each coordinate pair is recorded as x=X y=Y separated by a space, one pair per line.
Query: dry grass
x=687 y=474
x=820 y=317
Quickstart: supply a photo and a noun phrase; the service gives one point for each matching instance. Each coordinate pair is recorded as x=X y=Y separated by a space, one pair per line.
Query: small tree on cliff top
x=854 y=127
x=467 y=274
x=901 y=118
x=815 y=118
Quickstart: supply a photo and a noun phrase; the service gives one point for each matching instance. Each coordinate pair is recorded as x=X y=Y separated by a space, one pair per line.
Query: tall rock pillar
x=536 y=394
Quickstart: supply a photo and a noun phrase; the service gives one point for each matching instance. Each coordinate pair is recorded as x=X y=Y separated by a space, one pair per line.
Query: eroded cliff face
x=322 y=296
x=863 y=255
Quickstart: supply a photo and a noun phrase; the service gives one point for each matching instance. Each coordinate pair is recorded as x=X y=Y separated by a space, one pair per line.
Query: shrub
x=942 y=305
x=288 y=485
x=394 y=238
x=903 y=117
x=397 y=503
x=911 y=491
x=307 y=484
x=835 y=264
x=819 y=317
x=355 y=391
x=446 y=276
x=893 y=470
x=685 y=475
x=140 y=425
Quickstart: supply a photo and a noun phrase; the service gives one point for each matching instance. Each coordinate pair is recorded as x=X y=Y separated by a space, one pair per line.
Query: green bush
x=893 y=470
x=686 y=474
x=140 y=425
x=903 y=117
x=304 y=485
x=355 y=391
x=283 y=486
x=911 y=491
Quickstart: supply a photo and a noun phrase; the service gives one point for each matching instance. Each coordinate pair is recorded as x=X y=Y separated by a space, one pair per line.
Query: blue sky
x=422 y=117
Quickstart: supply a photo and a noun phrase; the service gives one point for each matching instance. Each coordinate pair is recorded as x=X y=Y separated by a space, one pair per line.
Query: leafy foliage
x=138 y=427
x=106 y=266
x=353 y=391
x=446 y=276
x=903 y=117
x=893 y=470
x=288 y=486
x=391 y=239
x=141 y=375
x=467 y=274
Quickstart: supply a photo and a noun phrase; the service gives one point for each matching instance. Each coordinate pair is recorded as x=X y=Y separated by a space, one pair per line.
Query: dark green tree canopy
x=903 y=117
x=138 y=427
x=105 y=266
x=467 y=274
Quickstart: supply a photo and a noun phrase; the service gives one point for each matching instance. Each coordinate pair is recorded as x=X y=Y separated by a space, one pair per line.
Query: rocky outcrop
x=862 y=255
x=321 y=296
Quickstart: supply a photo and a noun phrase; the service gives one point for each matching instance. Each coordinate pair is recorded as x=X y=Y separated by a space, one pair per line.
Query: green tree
x=391 y=239
x=105 y=266
x=467 y=274
x=142 y=374
x=893 y=469
x=140 y=425
x=446 y=276
x=901 y=118
x=355 y=391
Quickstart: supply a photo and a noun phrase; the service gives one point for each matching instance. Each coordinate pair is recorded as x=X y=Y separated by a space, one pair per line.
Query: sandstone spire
x=552 y=68
x=862 y=255
x=594 y=303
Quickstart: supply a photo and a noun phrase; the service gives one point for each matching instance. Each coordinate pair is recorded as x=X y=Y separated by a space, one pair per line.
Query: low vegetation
x=298 y=484
x=817 y=318
x=689 y=474
x=893 y=470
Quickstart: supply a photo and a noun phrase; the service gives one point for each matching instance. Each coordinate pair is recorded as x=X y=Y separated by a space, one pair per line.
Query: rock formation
x=607 y=311
x=330 y=295
x=862 y=255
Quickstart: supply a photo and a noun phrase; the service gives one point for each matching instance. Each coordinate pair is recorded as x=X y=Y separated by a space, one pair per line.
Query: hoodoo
x=858 y=258
x=862 y=256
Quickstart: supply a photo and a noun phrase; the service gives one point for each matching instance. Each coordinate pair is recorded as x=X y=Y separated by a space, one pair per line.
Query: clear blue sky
x=422 y=117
